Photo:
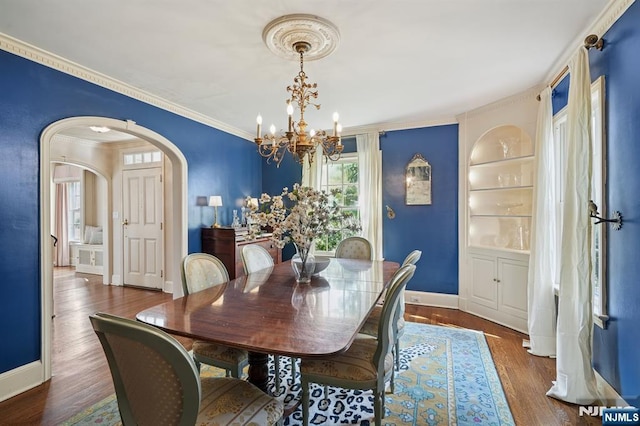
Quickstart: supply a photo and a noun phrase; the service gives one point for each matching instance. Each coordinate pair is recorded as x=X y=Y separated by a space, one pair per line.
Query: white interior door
x=142 y=219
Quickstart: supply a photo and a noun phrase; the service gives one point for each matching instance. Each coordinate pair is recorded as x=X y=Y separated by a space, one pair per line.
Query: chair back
x=387 y=325
x=412 y=258
x=255 y=257
x=201 y=271
x=156 y=380
x=354 y=248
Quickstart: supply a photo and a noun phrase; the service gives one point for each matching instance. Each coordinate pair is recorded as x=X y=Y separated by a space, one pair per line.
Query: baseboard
x=608 y=395
x=168 y=287
x=116 y=279
x=20 y=379
x=438 y=300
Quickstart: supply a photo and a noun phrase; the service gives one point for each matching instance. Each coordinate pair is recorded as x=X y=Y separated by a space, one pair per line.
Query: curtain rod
x=590 y=41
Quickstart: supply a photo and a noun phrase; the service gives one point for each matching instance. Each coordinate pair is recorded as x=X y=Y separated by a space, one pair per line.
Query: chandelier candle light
x=295 y=139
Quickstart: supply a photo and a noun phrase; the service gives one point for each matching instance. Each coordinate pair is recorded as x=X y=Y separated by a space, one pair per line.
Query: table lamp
x=215 y=201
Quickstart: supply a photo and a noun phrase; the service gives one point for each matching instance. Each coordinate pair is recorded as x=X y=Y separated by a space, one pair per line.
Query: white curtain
x=370 y=189
x=542 y=261
x=575 y=380
x=61 y=225
x=312 y=173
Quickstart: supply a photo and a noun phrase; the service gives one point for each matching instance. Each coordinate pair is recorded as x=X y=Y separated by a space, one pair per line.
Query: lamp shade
x=215 y=200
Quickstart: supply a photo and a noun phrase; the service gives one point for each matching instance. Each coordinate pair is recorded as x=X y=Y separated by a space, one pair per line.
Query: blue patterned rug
x=447 y=377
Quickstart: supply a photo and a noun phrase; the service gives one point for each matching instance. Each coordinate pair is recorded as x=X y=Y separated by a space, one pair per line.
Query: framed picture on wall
x=418 y=181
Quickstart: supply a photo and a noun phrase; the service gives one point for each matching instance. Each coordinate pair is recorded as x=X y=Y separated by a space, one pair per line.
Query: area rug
x=447 y=377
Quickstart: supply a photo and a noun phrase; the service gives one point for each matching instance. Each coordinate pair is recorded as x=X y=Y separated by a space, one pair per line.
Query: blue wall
x=431 y=228
x=616 y=350
x=33 y=96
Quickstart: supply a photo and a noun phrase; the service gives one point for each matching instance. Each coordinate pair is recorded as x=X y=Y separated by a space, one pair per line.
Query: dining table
x=268 y=312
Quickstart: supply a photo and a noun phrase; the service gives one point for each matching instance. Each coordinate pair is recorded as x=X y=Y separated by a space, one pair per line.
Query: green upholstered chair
x=368 y=363
x=254 y=259
x=158 y=383
x=354 y=248
x=202 y=271
x=370 y=326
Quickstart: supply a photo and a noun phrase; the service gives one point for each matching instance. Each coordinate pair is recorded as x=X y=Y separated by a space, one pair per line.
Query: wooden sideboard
x=226 y=244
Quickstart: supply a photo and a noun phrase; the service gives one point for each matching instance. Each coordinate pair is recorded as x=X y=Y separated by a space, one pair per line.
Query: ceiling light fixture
x=99 y=129
x=300 y=35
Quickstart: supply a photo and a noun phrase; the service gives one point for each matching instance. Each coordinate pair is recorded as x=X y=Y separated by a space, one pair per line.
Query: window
x=598 y=232
x=142 y=159
x=343 y=175
x=74 y=211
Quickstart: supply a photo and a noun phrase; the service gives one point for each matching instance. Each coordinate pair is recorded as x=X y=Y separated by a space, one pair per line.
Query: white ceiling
x=398 y=62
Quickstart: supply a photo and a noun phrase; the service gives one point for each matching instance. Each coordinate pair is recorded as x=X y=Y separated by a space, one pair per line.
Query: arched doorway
x=176 y=233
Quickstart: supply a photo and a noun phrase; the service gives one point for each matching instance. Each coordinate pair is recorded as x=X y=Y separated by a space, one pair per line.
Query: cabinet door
x=513 y=277
x=484 y=289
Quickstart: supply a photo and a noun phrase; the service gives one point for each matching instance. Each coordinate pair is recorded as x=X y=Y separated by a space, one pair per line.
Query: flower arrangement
x=299 y=216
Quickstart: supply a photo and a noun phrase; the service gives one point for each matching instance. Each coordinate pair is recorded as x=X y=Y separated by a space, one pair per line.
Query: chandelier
x=296 y=139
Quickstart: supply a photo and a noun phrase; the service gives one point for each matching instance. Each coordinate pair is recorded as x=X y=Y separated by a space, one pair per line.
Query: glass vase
x=303 y=264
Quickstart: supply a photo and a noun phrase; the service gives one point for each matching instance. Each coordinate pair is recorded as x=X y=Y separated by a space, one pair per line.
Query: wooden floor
x=81 y=376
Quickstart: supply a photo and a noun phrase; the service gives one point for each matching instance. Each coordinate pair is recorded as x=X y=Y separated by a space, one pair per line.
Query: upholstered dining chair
x=370 y=327
x=354 y=248
x=256 y=258
x=158 y=383
x=201 y=271
x=368 y=363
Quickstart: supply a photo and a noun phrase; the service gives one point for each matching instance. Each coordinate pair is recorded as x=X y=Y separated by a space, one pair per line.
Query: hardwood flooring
x=81 y=376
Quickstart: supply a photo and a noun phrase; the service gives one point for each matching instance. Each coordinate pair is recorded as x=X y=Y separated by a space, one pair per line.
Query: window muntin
x=342 y=175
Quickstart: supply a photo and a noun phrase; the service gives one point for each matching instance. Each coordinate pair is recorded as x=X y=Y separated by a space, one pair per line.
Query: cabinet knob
x=497 y=280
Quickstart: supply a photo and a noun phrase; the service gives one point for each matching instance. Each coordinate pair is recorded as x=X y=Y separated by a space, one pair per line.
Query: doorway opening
x=176 y=228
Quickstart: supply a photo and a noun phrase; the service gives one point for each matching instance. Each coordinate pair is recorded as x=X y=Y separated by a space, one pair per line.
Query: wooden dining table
x=268 y=312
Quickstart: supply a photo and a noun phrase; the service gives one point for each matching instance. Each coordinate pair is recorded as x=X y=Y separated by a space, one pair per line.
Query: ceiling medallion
x=282 y=33
x=303 y=37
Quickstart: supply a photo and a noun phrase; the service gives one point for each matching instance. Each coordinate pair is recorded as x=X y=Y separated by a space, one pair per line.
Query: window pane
x=341 y=175
x=351 y=173
x=350 y=196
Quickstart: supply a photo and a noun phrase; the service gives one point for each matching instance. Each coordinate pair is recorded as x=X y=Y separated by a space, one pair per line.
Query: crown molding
x=614 y=10
x=391 y=126
x=528 y=95
x=38 y=55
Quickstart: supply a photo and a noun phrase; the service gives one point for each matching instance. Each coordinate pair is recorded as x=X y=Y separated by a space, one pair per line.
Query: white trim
x=38 y=55
x=174 y=253
x=437 y=300
x=390 y=126
x=614 y=10
x=20 y=379
x=607 y=394
x=528 y=94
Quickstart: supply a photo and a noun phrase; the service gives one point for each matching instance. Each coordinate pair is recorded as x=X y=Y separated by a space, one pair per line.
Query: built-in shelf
x=501 y=190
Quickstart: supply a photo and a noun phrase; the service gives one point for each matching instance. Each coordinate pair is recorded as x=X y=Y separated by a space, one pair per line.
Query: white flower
x=300 y=215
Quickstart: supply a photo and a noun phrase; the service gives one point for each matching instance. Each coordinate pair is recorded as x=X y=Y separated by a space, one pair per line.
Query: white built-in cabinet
x=90 y=258
x=500 y=193
x=499 y=287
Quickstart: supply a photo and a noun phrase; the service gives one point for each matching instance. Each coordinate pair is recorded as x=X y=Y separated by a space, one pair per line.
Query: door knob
x=126 y=222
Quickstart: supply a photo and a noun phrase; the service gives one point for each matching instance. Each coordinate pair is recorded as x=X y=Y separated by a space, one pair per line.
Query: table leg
x=259 y=370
